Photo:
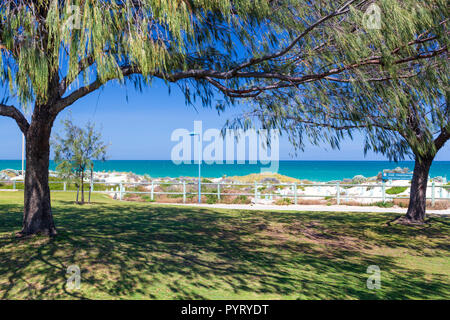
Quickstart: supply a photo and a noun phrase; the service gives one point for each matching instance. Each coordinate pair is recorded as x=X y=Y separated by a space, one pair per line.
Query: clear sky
x=140 y=128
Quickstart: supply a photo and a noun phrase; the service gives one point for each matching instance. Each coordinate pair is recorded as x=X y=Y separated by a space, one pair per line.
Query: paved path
x=335 y=208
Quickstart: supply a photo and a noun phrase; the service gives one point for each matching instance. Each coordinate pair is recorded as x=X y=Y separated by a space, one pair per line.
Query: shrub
x=384 y=204
x=396 y=190
x=211 y=199
x=147 y=198
x=174 y=196
x=241 y=200
x=283 y=202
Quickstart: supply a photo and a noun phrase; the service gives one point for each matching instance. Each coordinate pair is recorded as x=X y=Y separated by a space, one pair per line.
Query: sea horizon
x=315 y=170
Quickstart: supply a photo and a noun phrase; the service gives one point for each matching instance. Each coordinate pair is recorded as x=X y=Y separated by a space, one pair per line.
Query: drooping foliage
x=400 y=108
x=243 y=48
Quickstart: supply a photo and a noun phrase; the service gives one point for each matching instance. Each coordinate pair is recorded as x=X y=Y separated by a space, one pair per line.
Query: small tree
x=75 y=151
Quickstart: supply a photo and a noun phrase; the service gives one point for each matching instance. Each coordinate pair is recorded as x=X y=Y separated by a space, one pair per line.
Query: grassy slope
x=139 y=250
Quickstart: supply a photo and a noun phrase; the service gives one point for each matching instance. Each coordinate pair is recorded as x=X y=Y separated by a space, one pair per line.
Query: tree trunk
x=82 y=187
x=90 y=185
x=38 y=216
x=417 y=199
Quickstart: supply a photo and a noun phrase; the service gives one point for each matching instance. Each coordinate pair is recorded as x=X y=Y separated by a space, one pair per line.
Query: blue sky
x=140 y=128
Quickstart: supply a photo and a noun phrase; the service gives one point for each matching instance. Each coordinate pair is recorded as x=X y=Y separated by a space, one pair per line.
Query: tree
x=401 y=116
x=74 y=153
x=397 y=120
x=55 y=52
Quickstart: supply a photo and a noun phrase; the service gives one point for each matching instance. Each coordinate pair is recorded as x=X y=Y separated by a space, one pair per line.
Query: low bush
x=396 y=190
x=283 y=201
x=241 y=200
x=211 y=199
x=384 y=204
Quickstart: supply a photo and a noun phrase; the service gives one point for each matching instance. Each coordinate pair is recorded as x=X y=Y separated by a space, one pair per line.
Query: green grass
x=130 y=250
x=396 y=190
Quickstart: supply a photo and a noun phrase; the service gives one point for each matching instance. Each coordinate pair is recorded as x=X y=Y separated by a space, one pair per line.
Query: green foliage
x=75 y=151
x=396 y=190
x=241 y=200
x=384 y=204
x=175 y=196
x=50 y=44
x=283 y=201
x=400 y=109
x=38 y=39
x=211 y=199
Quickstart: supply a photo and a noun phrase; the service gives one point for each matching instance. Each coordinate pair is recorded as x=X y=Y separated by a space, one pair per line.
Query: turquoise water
x=311 y=170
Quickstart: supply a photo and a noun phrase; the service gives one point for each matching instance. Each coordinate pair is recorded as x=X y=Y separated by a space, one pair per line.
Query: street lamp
x=199 y=164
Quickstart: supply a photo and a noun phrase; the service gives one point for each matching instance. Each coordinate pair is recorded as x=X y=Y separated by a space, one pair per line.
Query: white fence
x=258 y=191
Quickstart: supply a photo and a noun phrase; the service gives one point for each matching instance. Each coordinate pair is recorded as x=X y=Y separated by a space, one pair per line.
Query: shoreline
x=320 y=171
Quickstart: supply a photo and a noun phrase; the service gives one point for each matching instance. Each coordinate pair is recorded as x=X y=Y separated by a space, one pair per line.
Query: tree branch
x=83 y=91
x=14 y=113
x=442 y=138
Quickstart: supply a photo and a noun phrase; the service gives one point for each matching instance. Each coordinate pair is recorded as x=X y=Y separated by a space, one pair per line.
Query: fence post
x=383 y=191
x=184 y=191
x=65 y=186
x=218 y=191
x=269 y=186
x=14 y=184
x=338 y=193
x=152 y=191
x=433 y=199
x=295 y=192
x=120 y=191
x=256 y=192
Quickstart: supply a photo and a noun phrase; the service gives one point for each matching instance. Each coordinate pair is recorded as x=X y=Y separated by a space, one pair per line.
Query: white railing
x=295 y=191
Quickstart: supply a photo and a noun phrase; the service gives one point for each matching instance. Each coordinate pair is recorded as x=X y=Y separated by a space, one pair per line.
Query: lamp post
x=199 y=165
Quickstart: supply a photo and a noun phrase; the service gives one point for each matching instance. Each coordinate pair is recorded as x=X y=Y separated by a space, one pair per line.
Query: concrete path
x=335 y=208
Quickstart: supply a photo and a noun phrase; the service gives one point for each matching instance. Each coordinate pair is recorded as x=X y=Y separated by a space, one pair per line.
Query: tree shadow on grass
x=139 y=251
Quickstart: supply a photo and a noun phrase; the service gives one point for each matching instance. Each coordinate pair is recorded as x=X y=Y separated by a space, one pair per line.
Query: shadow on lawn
x=154 y=252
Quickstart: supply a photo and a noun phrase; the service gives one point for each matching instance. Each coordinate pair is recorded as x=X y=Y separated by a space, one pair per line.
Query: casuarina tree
x=55 y=52
x=75 y=152
x=399 y=115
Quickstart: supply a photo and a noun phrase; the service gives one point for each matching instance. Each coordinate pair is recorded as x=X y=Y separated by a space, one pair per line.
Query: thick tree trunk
x=417 y=200
x=38 y=216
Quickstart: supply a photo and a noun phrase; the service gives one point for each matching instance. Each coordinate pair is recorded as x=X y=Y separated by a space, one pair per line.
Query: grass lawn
x=132 y=250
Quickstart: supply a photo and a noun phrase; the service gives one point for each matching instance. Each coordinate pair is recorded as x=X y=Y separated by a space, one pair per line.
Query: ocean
x=311 y=170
